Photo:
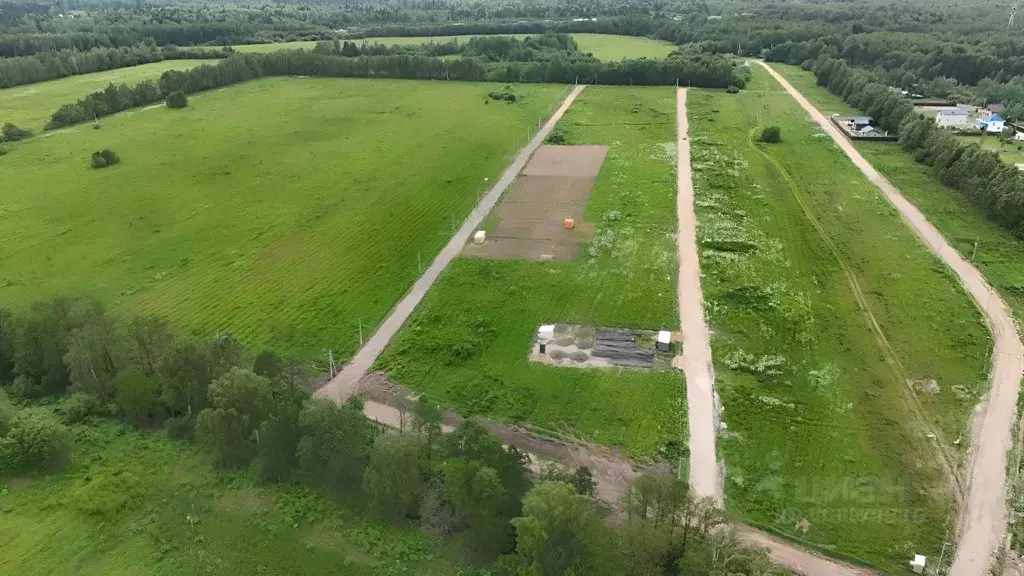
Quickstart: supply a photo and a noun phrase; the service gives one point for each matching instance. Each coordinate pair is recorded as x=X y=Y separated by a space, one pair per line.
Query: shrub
x=505 y=94
x=12 y=133
x=771 y=135
x=181 y=427
x=104 y=158
x=555 y=137
x=35 y=442
x=177 y=99
x=733 y=89
x=3 y=151
x=74 y=408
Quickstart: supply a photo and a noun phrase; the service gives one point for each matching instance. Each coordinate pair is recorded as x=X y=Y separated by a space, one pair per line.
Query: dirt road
x=982 y=519
x=344 y=384
x=705 y=474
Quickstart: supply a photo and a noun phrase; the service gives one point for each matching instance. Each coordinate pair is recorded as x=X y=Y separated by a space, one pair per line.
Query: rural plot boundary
x=346 y=383
x=982 y=519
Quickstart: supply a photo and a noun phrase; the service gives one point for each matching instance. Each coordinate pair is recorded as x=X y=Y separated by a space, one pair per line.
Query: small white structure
x=917 y=564
x=1018 y=135
x=955 y=119
x=664 y=340
x=479 y=237
x=546 y=333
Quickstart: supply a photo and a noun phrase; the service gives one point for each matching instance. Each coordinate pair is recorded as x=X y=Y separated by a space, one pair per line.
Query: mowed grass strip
x=137 y=503
x=827 y=442
x=467 y=344
x=284 y=210
x=30 y=106
x=610 y=47
x=999 y=255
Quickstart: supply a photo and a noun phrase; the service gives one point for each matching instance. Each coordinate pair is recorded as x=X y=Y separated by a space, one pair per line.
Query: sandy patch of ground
x=554 y=186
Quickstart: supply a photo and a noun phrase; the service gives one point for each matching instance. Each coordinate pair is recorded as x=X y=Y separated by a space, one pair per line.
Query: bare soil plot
x=553 y=187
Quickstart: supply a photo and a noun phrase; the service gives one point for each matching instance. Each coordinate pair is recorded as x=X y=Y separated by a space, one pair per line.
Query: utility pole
x=360 y=332
x=1013 y=12
x=975 y=253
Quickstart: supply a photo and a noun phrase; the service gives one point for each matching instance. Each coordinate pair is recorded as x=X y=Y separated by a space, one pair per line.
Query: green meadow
x=31 y=105
x=847 y=357
x=603 y=46
x=468 y=342
x=287 y=211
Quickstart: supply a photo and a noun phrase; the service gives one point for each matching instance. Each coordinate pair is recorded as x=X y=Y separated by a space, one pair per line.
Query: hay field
x=284 y=210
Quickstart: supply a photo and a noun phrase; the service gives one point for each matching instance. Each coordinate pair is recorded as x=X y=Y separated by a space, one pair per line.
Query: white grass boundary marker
x=346 y=382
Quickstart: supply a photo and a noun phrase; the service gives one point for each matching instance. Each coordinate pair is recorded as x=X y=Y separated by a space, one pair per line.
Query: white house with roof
x=953 y=119
x=992 y=124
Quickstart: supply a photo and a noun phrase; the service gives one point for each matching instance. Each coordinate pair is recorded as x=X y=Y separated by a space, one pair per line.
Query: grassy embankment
x=136 y=503
x=603 y=46
x=828 y=417
x=283 y=210
x=490 y=310
x=30 y=106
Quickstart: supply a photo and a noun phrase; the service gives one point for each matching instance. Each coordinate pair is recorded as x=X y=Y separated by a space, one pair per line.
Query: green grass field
x=823 y=426
x=31 y=106
x=283 y=210
x=136 y=503
x=1009 y=152
x=603 y=46
x=999 y=255
x=488 y=311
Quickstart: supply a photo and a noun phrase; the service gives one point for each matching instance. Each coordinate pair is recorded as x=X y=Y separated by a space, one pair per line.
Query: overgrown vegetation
x=837 y=429
x=177 y=100
x=468 y=343
x=462 y=489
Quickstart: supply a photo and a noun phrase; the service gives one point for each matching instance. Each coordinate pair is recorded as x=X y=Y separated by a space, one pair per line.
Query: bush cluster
x=104 y=158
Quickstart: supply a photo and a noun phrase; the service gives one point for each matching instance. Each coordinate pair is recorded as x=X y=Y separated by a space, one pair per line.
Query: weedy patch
x=817 y=418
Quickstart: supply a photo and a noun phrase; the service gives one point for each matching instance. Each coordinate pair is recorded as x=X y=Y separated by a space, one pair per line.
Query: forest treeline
x=52 y=65
x=997 y=187
x=686 y=68
x=69 y=362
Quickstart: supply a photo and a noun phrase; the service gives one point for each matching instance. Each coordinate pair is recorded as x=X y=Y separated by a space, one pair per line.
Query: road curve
x=705 y=476
x=346 y=382
x=982 y=518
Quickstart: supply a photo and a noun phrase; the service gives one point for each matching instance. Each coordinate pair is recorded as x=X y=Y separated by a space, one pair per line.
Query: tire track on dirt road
x=695 y=361
x=346 y=383
x=982 y=518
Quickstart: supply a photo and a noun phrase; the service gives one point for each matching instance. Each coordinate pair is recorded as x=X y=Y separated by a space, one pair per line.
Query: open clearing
x=30 y=106
x=136 y=503
x=282 y=210
x=603 y=46
x=1009 y=152
x=468 y=341
x=839 y=342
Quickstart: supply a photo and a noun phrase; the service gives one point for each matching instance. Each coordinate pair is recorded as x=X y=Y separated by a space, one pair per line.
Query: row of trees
x=461 y=486
x=996 y=187
x=53 y=65
x=686 y=68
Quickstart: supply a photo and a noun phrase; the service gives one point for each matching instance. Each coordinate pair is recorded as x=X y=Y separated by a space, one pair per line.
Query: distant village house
x=992 y=124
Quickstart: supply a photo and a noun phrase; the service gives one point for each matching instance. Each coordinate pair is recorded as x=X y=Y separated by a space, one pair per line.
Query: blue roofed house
x=992 y=124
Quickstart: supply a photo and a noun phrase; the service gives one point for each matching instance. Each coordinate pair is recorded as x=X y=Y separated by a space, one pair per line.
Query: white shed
x=664 y=340
x=917 y=564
